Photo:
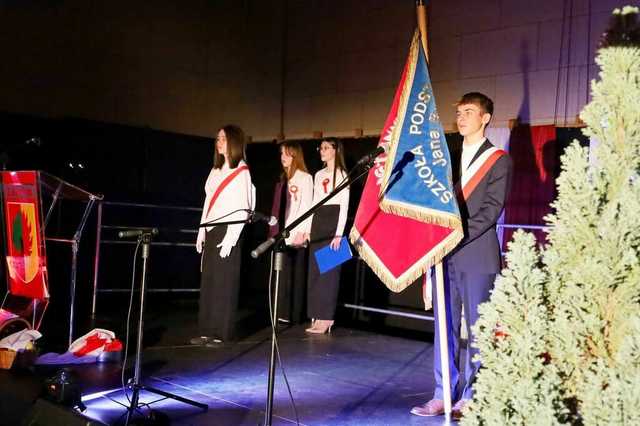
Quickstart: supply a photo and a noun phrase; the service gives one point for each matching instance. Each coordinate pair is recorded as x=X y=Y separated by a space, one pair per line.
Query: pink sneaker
x=435 y=407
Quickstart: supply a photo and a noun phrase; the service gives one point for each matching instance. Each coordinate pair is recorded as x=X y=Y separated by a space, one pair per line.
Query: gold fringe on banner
x=426 y=215
x=419 y=268
x=422 y=214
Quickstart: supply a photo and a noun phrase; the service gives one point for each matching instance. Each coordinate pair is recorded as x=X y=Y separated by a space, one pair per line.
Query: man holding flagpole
x=411 y=216
x=482 y=175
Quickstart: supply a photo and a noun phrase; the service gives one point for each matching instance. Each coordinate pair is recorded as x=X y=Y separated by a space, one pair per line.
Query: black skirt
x=219 y=287
x=322 y=289
x=292 y=289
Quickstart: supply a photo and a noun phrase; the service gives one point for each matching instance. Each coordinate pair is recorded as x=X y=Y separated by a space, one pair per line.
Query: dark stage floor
x=350 y=377
x=346 y=378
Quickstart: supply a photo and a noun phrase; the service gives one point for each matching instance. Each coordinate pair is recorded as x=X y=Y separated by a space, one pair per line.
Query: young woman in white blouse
x=292 y=197
x=228 y=196
x=327 y=228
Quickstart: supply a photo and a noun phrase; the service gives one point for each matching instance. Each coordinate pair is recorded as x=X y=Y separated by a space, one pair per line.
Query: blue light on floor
x=351 y=378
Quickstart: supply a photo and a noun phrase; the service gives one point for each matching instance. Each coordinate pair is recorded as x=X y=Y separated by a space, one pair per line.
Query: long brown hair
x=235 y=147
x=297 y=161
x=339 y=163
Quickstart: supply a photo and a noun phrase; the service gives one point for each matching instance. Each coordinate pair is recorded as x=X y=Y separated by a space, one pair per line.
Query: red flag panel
x=25 y=258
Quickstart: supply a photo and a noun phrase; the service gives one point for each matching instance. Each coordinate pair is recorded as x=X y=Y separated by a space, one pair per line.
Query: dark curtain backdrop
x=143 y=165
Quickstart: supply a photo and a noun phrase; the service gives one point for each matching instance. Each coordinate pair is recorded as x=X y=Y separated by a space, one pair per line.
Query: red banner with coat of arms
x=25 y=256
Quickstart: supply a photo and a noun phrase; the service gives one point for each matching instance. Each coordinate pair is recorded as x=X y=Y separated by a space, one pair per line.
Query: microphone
x=262 y=247
x=255 y=216
x=137 y=232
x=383 y=148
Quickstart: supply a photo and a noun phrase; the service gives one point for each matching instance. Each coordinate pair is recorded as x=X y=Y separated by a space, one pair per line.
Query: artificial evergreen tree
x=517 y=383
x=560 y=338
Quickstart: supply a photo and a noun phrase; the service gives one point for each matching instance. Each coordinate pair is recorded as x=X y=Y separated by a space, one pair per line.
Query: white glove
x=200 y=240
x=225 y=249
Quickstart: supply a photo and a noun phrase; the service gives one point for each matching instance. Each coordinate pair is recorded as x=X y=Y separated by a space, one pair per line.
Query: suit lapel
x=485 y=146
x=458 y=170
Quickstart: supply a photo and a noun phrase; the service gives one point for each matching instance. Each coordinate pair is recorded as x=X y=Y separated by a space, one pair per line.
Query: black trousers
x=292 y=289
x=219 y=287
x=322 y=289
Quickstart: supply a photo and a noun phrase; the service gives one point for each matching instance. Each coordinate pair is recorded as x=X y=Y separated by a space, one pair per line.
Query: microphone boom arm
x=348 y=181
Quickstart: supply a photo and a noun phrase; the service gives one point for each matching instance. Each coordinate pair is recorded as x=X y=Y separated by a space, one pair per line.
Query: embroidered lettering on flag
x=401 y=239
x=418 y=180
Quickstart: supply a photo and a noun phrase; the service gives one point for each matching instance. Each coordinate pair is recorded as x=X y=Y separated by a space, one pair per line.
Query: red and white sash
x=223 y=185
x=477 y=171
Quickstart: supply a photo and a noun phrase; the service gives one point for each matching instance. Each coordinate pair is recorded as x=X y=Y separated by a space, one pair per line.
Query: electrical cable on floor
x=275 y=340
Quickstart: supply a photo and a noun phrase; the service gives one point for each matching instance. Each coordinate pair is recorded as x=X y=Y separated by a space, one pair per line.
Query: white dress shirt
x=323 y=185
x=468 y=152
x=239 y=194
x=299 y=198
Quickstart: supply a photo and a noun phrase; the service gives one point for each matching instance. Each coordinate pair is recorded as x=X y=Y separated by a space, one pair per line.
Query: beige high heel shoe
x=313 y=324
x=321 y=327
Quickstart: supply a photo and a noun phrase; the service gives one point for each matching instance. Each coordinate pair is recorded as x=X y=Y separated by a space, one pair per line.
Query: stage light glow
x=96 y=395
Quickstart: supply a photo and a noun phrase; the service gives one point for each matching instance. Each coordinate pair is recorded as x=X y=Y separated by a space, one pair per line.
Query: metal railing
x=100 y=241
x=423 y=317
x=532 y=227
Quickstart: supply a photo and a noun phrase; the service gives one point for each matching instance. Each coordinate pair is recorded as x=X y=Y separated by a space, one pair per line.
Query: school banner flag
x=24 y=240
x=408 y=218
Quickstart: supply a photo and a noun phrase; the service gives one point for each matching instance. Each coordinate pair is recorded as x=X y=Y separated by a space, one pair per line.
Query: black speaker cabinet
x=46 y=413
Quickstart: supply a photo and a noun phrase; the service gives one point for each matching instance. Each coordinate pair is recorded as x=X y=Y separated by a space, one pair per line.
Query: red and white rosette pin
x=293 y=190
x=325 y=185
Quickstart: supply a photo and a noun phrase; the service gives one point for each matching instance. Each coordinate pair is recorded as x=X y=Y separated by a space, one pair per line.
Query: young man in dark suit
x=482 y=176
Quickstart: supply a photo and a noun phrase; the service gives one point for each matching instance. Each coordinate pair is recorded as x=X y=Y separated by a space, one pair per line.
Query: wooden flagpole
x=421 y=11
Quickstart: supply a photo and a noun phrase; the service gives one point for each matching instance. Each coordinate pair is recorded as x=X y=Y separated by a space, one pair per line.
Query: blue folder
x=327 y=259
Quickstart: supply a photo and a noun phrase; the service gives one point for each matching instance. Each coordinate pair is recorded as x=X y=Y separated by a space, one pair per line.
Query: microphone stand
x=145 y=239
x=145 y=236
x=278 y=241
